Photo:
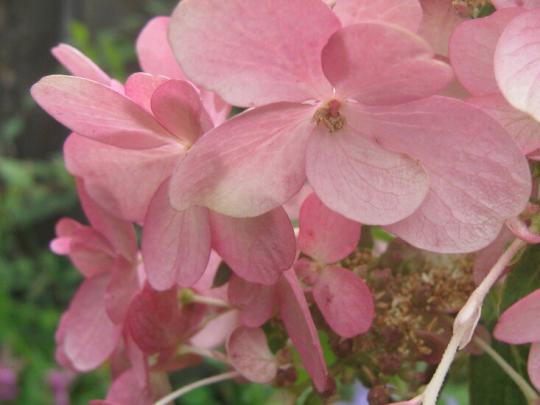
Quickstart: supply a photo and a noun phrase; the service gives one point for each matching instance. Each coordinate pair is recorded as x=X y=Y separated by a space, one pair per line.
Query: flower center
x=330 y=116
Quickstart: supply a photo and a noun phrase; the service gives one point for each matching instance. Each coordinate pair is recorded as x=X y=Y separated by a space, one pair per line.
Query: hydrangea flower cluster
x=400 y=116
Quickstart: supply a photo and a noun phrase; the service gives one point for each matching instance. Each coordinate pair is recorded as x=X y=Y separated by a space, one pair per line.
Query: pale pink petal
x=122 y=287
x=249 y=165
x=176 y=105
x=79 y=64
x=121 y=181
x=256 y=302
x=405 y=13
x=472 y=49
x=357 y=178
x=292 y=207
x=294 y=311
x=521 y=230
x=120 y=234
x=257 y=249
x=478 y=176
x=154 y=52
x=533 y=365
x=90 y=336
x=97 y=111
x=517 y=64
x=516 y=3
x=519 y=323
x=486 y=258
x=204 y=284
x=324 y=234
x=439 y=22
x=345 y=301
x=175 y=244
x=218 y=109
x=249 y=354
x=380 y=64
x=140 y=86
x=126 y=389
x=523 y=128
x=257 y=53
x=216 y=331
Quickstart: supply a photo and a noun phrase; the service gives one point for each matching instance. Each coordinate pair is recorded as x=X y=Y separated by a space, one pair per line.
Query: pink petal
x=247 y=166
x=472 y=49
x=204 y=284
x=154 y=52
x=122 y=287
x=524 y=130
x=517 y=65
x=249 y=354
x=139 y=87
x=486 y=258
x=97 y=111
x=380 y=64
x=519 y=323
x=357 y=178
x=405 y=13
x=176 y=105
x=90 y=336
x=126 y=389
x=292 y=207
x=324 y=234
x=439 y=22
x=114 y=176
x=216 y=331
x=297 y=319
x=478 y=177
x=533 y=365
x=120 y=234
x=345 y=301
x=79 y=65
x=256 y=302
x=516 y=3
x=175 y=244
x=257 y=60
x=258 y=249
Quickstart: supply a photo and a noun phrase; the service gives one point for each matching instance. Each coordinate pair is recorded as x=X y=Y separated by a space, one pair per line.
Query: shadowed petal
x=519 y=323
x=79 y=64
x=439 y=22
x=255 y=301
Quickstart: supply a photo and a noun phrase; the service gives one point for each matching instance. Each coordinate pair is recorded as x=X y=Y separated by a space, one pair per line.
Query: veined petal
x=519 y=323
x=175 y=244
x=254 y=53
x=380 y=64
x=439 y=22
x=522 y=127
x=517 y=63
x=472 y=49
x=122 y=287
x=79 y=64
x=139 y=87
x=324 y=234
x=359 y=179
x=256 y=302
x=249 y=165
x=97 y=111
x=258 y=249
x=478 y=176
x=405 y=13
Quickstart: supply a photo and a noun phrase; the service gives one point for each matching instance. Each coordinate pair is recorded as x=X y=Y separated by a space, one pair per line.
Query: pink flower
x=516 y=3
x=332 y=106
x=519 y=324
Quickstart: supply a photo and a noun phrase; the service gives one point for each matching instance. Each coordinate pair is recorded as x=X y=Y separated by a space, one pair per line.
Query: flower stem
x=198 y=384
x=529 y=393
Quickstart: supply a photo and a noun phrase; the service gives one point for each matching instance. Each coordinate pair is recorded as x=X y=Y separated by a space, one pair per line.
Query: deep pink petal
x=380 y=64
x=257 y=53
x=176 y=105
x=523 y=128
x=122 y=287
x=216 y=331
x=249 y=354
x=126 y=389
x=139 y=87
x=324 y=234
x=79 y=64
x=472 y=49
x=478 y=176
x=405 y=13
x=258 y=249
x=345 y=301
x=97 y=111
x=516 y=3
x=533 y=365
x=519 y=323
x=357 y=178
x=122 y=181
x=90 y=336
x=295 y=315
x=517 y=65
x=256 y=302
x=439 y=22
x=175 y=244
x=247 y=166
